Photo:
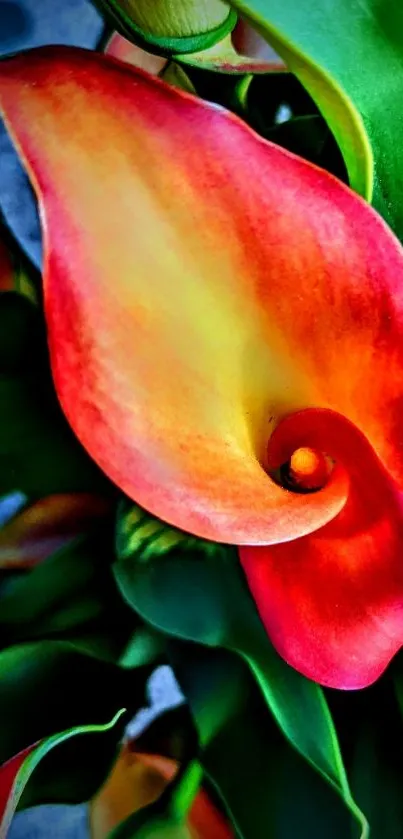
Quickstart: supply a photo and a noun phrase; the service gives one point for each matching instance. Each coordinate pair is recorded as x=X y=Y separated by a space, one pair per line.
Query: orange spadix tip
x=309 y=468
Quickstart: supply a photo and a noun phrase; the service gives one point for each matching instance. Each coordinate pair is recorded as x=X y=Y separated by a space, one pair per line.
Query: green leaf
x=50 y=686
x=205 y=599
x=268 y=790
x=70 y=594
x=27 y=764
x=348 y=55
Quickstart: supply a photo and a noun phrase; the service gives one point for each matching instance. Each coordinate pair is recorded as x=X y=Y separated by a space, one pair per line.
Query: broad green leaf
x=348 y=55
x=50 y=686
x=15 y=777
x=268 y=790
x=200 y=598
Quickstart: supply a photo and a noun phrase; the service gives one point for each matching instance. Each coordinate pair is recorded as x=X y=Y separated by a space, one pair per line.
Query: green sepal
x=159 y=45
x=142 y=537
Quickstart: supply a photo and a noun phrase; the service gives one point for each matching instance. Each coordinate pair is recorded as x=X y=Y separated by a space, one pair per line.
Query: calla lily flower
x=222 y=314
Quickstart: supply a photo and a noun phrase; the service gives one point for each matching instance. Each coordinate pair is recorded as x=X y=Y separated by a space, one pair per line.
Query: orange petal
x=201 y=284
